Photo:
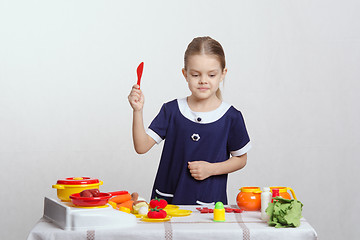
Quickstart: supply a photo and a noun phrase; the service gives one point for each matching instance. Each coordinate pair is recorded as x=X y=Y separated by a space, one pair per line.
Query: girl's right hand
x=136 y=98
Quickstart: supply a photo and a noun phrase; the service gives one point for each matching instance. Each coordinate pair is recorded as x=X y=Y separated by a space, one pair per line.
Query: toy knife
x=139 y=71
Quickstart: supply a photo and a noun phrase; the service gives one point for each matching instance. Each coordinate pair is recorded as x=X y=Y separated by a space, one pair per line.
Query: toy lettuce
x=284 y=212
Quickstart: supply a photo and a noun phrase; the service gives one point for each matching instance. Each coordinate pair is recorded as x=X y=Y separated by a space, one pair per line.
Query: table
x=245 y=225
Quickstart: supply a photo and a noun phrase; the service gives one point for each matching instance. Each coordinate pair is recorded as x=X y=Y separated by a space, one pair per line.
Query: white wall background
x=66 y=68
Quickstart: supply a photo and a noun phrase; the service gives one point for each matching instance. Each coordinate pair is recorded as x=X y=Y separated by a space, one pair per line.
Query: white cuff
x=241 y=151
x=154 y=135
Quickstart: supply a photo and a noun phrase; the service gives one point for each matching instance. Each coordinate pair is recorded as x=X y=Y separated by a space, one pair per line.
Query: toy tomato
x=158 y=202
x=156 y=213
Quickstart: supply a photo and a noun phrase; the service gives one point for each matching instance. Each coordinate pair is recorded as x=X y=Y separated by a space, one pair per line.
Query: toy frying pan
x=101 y=200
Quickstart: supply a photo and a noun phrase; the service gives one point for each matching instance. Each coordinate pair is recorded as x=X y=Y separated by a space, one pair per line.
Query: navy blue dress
x=195 y=136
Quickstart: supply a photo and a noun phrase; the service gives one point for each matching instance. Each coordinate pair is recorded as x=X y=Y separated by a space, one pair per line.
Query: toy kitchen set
x=73 y=212
x=82 y=211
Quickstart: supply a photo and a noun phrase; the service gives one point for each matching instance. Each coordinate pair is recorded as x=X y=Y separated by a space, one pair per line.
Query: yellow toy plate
x=178 y=212
x=75 y=206
x=146 y=219
x=170 y=206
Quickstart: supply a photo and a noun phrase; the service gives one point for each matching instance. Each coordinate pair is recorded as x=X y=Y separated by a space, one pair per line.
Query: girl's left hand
x=200 y=170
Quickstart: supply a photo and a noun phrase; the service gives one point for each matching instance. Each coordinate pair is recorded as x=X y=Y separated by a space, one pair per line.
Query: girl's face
x=204 y=74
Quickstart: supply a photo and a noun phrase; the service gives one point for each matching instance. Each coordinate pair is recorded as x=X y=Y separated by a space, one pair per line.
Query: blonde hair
x=208 y=46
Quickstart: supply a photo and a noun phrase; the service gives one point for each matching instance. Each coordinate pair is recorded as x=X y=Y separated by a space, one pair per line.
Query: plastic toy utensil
x=139 y=71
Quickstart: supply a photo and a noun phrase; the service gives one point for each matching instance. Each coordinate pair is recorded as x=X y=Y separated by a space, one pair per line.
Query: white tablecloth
x=246 y=225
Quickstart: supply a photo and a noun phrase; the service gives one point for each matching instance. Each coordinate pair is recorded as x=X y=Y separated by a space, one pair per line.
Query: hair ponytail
x=218 y=94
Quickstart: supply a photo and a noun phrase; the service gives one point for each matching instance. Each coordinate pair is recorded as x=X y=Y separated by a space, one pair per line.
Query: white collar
x=202 y=117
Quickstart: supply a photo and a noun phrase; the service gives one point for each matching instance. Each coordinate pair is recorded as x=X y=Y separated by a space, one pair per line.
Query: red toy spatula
x=139 y=71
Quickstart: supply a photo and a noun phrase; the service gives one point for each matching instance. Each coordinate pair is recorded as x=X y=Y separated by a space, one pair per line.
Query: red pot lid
x=78 y=181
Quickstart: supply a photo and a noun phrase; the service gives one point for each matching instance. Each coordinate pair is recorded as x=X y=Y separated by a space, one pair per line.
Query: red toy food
x=204 y=210
x=228 y=210
x=95 y=192
x=158 y=202
x=90 y=193
x=237 y=210
x=156 y=213
x=85 y=193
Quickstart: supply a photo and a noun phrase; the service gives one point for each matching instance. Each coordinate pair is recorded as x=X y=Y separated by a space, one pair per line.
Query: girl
x=205 y=138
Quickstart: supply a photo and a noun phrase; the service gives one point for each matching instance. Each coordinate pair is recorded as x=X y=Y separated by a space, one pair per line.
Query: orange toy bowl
x=249 y=198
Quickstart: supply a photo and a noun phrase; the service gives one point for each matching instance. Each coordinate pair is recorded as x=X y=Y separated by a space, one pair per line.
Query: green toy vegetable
x=284 y=212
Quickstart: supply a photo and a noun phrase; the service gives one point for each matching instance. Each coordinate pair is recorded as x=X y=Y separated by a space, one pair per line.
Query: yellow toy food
x=139 y=204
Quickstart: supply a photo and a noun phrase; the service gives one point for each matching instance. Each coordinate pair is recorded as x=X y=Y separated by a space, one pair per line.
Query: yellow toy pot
x=68 y=186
